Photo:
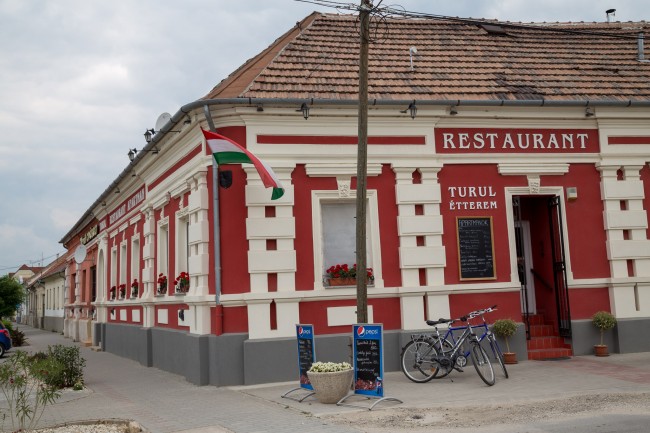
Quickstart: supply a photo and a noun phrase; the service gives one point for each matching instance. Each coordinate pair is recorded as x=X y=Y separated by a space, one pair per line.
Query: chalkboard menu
x=475 y=248
x=306 y=353
x=368 y=360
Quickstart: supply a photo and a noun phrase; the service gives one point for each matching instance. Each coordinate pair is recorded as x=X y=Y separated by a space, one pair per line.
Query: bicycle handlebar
x=465 y=318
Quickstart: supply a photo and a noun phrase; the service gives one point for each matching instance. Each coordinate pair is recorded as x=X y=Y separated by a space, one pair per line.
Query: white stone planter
x=331 y=387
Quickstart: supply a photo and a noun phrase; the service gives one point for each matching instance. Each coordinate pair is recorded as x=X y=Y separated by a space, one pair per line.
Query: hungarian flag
x=226 y=151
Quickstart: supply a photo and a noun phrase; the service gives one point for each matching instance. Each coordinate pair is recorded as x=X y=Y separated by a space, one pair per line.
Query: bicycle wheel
x=417 y=361
x=496 y=352
x=482 y=363
x=444 y=347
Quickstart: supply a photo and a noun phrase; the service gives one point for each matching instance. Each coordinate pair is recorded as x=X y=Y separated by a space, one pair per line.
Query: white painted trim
x=341 y=316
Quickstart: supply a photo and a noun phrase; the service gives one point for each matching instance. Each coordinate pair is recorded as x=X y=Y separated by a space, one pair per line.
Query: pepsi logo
x=304 y=331
x=362 y=331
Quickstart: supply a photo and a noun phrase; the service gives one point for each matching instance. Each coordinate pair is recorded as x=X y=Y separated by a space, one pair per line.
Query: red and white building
x=519 y=177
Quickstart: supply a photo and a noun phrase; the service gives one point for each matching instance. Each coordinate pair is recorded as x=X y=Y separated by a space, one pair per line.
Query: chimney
x=639 y=40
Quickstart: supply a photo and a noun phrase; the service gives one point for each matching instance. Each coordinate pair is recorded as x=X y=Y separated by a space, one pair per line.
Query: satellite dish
x=162 y=120
x=80 y=254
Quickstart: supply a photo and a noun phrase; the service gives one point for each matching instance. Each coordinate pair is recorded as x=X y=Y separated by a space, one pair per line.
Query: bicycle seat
x=437 y=322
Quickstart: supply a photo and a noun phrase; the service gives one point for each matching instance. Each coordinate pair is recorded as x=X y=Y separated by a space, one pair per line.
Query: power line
x=394 y=12
x=42 y=260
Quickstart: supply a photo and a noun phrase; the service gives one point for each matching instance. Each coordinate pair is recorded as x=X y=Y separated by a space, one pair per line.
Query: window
x=182 y=245
x=113 y=268
x=163 y=247
x=334 y=222
x=339 y=233
x=123 y=277
x=135 y=259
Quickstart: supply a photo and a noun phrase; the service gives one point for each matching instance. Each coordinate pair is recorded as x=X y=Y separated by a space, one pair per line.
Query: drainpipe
x=216 y=231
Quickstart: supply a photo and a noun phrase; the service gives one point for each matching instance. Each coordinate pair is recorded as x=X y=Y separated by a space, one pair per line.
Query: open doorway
x=541 y=261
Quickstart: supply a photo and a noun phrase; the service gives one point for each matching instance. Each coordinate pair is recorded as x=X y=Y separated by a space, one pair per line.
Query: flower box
x=344 y=275
x=345 y=281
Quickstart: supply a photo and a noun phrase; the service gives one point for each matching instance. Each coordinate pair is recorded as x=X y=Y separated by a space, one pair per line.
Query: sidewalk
x=161 y=402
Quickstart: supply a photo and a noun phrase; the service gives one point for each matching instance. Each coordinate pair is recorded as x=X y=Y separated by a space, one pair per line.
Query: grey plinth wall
x=230 y=359
x=233 y=359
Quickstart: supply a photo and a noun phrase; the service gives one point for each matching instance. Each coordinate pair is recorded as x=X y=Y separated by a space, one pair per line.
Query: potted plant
x=113 y=289
x=134 y=288
x=506 y=328
x=182 y=282
x=162 y=284
x=331 y=380
x=344 y=275
x=122 y=291
x=604 y=321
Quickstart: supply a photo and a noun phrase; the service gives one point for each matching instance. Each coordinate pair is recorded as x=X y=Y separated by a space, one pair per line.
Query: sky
x=81 y=80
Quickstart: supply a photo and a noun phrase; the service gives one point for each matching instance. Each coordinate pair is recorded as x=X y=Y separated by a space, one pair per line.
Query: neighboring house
x=26 y=310
x=46 y=292
x=506 y=165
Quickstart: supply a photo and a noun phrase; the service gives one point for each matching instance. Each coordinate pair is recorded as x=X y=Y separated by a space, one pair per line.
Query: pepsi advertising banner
x=306 y=353
x=368 y=360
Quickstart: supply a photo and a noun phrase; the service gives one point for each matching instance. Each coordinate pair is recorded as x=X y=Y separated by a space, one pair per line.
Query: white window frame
x=372 y=233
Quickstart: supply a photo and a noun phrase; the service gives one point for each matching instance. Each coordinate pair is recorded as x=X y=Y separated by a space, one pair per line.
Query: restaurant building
x=507 y=165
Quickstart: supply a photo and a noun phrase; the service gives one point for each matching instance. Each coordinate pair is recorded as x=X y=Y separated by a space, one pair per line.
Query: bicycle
x=426 y=355
x=487 y=335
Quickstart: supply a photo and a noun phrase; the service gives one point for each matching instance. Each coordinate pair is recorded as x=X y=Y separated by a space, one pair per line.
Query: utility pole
x=362 y=162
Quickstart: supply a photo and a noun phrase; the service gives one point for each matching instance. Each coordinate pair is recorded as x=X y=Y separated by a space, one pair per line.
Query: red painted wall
x=463 y=175
x=172 y=311
x=585 y=302
x=587 y=237
x=386 y=198
x=235 y=319
x=385 y=311
x=507 y=303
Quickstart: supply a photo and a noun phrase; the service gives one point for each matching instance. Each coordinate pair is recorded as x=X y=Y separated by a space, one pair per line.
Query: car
x=5 y=340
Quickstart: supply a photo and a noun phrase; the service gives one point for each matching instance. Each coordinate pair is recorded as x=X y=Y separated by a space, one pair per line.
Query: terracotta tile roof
x=454 y=60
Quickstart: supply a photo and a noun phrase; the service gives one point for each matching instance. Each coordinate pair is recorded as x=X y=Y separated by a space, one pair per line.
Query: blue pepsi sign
x=368 y=360
x=306 y=353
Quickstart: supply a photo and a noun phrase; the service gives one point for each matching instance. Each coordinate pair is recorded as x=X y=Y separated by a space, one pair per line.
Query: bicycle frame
x=468 y=333
x=451 y=337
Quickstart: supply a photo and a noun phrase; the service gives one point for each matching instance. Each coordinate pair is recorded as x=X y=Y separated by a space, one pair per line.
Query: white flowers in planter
x=329 y=367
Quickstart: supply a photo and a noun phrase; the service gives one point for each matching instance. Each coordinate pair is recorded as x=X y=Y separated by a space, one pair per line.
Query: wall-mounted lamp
x=112 y=310
x=452 y=110
x=305 y=110
x=225 y=179
x=133 y=152
x=412 y=110
x=181 y=314
x=589 y=112
x=117 y=190
x=260 y=108
x=103 y=203
x=149 y=133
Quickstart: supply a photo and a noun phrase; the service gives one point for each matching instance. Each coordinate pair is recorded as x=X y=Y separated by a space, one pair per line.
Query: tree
x=12 y=295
